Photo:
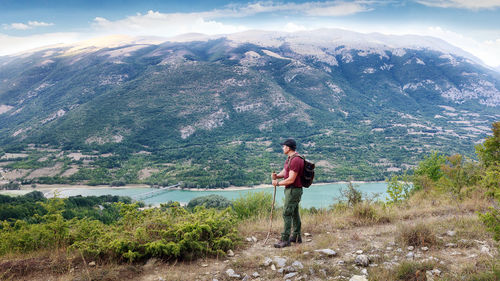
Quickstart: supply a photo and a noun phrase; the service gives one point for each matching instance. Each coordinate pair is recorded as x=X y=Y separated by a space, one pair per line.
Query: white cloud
x=26 y=26
x=292 y=27
x=15 y=44
x=39 y=23
x=160 y=24
x=337 y=9
x=463 y=4
x=328 y=8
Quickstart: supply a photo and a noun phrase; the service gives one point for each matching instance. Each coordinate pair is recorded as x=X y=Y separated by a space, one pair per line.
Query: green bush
x=398 y=189
x=166 y=233
x=253 y=205
x=210 y=201
x=428 y=171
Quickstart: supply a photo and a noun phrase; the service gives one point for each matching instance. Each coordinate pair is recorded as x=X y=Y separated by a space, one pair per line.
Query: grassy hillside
x=444 y=226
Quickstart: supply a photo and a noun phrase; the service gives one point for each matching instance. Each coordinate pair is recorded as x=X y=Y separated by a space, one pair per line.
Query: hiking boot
x=296 y=239
x=282 y=244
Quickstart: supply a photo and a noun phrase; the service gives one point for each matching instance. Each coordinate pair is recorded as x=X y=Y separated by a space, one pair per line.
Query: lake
x=319 y=196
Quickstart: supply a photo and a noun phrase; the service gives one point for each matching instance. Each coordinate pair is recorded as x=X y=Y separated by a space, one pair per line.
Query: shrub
x=416 y=235
x=398 y=189
x=210 y=201
x=352 y=195
x=429 y=168
x=412 y=270
x=253 y=205
x=365 y=211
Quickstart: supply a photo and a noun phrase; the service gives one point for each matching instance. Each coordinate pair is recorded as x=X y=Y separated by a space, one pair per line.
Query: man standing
x=291 y=173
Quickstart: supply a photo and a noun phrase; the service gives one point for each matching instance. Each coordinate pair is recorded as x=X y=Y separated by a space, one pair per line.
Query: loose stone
x=255 y=274
x=411 y=248
x=230 y=253
x=267 y=262
x=280 y=262
x=328 y=252
x=358 y=278
x=425 y=249
x=290 y=275
x=230 y=272
x=297 y=265
x=362 y=260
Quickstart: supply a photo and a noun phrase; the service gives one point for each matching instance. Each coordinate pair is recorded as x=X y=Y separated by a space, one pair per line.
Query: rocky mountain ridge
x=355 y=99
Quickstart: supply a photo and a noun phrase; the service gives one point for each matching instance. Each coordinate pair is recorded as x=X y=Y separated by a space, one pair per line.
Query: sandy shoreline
x=50 y=189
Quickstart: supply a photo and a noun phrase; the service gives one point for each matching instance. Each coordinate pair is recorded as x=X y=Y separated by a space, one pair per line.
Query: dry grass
x=417 y=235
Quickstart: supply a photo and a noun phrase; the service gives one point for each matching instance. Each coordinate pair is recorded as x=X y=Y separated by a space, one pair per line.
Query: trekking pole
x=271 y=219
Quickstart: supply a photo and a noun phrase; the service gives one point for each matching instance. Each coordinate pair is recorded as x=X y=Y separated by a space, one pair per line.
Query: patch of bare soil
x=46 y=171
x=13 y=174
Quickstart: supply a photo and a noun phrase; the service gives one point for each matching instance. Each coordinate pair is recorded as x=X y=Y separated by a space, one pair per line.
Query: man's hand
x=275 y=182
x=274 y=176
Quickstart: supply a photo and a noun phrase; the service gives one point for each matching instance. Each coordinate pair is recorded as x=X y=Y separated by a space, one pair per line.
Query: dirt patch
x=77 y=156
x=147 y=172
x=69 y=172
x=14 y=174
x=46 y=172
x=14 y=156
x=29 y=269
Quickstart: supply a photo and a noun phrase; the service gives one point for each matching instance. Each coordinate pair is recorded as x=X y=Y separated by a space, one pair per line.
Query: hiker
x=291 y=173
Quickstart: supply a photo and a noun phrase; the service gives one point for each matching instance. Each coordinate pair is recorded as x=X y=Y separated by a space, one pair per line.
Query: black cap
x=290 y=143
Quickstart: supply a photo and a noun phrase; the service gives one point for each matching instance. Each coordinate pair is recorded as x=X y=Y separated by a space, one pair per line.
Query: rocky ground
x=450 y=243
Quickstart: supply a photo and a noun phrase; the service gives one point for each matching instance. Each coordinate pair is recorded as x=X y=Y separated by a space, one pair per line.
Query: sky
x=473 y=25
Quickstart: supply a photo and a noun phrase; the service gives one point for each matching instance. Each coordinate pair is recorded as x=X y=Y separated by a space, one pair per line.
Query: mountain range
x=211 y=110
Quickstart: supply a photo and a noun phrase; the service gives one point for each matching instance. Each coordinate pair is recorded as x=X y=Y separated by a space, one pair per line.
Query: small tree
x=428 y=171
x=489 y=155
x=398 y=189
x=352 y=195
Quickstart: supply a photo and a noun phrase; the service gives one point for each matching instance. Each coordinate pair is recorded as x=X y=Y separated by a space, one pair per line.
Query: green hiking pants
x=291 y=215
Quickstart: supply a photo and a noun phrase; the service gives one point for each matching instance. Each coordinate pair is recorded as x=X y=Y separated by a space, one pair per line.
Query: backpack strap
x=293 y=156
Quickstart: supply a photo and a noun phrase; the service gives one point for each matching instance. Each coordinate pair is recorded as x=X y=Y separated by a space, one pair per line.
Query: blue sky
x=473 y=25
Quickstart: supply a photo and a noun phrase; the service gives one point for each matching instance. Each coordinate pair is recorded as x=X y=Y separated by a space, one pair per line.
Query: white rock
x=254 y=239
x=359 y=252
x=485 y=249
x=297 y=265
x=358 y=278
x=328 y=252
x=290 y=275
x=306 y=253
x=204 y=265
x=246 y=278
x=92 y=263
x=451 y=245
x=389 y=248
x=411 y=248
x=410 y=255
x=451 y=233
x=307 y=234
x=273 y=267
x=280 y=262
x=436 y=272
x=341 y=262
x=399 y=250
x=255 y=274
x=248 y=239
x=364 y=271
x=230 y=253
x=425 y=249
x=362 y=260
x=230 y=272
x=429 y=275
x=267 y=262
